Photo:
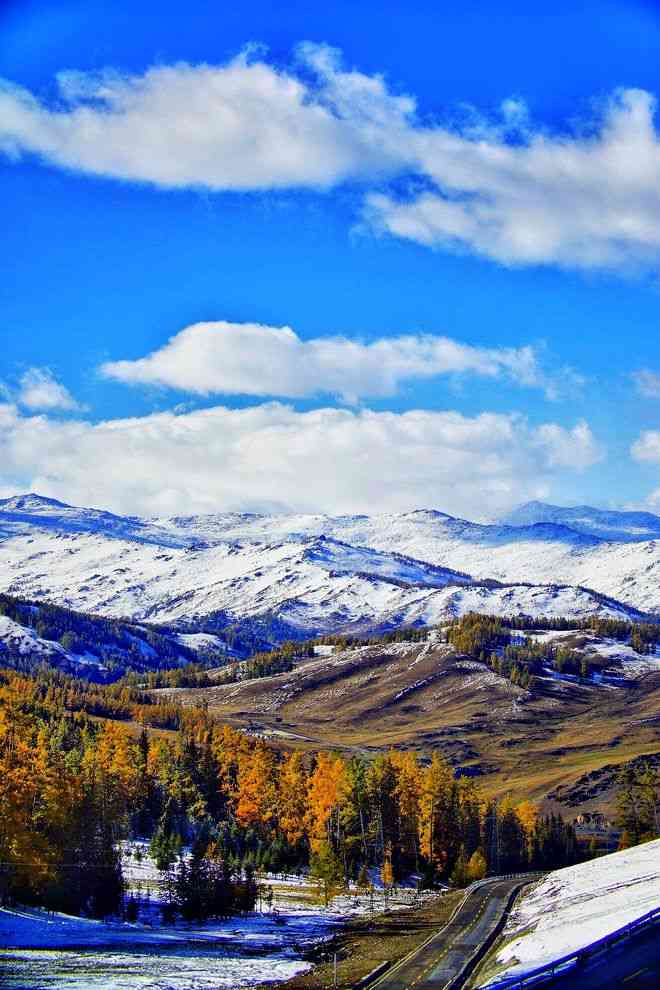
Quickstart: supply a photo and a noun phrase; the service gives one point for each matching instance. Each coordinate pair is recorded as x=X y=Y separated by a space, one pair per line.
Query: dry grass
x=406 y=696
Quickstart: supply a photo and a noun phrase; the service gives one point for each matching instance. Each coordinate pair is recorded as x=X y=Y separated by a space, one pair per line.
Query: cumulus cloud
x=40 y=390
x=586 y=199
x=647 y=447
x=241 y=125
x=252 y=359
x=576 y=448
x=336 y=460
x=648 y=383
x=507 y=188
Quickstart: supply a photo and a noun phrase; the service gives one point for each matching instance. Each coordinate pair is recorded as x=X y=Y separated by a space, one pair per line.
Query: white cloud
x=252 y=359
x=506 y=188
x=576 y=448
x=40 y=390
x=647 y=447
x=242 y=125
x=653 y=501
x=587 y=199
x=337 y=460
x=646 y=450
x=648 y=383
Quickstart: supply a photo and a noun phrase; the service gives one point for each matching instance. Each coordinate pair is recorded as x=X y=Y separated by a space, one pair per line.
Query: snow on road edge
x=573 y=907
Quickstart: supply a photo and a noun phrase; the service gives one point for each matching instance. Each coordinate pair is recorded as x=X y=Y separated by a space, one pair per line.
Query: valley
x=143 y=594
x=283 y=681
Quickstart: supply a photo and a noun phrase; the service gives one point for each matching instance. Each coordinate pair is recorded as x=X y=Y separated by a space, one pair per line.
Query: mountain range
x=274 y=577
x=605 y=524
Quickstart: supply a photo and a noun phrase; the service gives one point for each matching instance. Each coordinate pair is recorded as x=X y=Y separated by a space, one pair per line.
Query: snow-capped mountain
x=624 y=527
x=538 y=553
x=299 y=575
x=22 y=512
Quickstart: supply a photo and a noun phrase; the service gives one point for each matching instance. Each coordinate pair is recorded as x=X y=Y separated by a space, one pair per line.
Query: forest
x=73 y=784
x=493 y=641
x=115 y=645
x=84 y=766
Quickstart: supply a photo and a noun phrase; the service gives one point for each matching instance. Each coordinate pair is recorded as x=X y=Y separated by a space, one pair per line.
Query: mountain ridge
x=608 y=524
x=296 y=576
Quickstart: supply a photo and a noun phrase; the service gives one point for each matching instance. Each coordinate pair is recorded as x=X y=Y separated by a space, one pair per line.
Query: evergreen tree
x=327 y=870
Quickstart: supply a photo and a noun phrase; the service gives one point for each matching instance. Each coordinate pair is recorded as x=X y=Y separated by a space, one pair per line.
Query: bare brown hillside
x=425 y=696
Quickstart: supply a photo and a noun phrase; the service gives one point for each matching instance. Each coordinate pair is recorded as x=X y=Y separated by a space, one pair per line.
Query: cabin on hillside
x=592 y=821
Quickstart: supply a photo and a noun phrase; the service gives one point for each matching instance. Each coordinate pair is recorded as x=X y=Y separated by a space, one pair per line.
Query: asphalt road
x=444 y=955
x=634 y=965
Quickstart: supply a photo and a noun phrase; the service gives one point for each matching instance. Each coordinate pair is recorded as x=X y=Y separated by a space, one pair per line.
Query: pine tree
x=327 y=869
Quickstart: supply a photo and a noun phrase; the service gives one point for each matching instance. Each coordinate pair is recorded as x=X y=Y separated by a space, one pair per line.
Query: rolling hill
x=536 y=742
x=229 y=584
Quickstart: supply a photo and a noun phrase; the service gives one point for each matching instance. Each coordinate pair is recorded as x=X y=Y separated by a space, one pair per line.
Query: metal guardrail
x=580 y=956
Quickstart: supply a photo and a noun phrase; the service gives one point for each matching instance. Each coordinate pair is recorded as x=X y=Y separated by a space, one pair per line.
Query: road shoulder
x=364 y=944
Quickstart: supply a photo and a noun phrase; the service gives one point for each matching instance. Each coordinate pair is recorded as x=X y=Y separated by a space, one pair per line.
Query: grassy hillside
x=527 y=741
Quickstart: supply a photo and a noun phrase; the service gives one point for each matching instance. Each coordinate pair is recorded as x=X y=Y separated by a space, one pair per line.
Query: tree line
x=492 y=640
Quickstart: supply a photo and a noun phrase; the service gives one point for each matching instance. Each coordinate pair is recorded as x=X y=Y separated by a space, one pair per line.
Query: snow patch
x=573 y=907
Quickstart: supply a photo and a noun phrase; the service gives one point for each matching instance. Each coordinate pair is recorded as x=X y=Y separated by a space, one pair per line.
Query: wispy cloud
x=506 y=188
x=253 y=359
x=39 y=389
x=585 y=199
x=337 y=460
x=646 y=449
x=648 y=383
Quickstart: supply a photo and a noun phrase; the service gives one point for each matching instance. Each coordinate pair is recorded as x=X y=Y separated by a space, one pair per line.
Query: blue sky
x=458 y=215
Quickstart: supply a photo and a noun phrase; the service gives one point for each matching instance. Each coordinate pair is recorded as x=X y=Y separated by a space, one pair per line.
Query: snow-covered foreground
x=575 y=907
x=40 y=951
x=162 y=969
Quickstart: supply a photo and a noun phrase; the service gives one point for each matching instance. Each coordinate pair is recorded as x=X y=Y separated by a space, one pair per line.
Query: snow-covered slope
x=540 y=553
x=310 y=586
x=21 y=513
x=19 y=641
x=602 y=523
x=574 y=907
x=32 y=633
x=307 y=574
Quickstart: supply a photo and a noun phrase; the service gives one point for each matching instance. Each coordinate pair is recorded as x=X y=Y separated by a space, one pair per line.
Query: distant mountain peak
x=624 y=526
x=431 y=514
x=31 y=501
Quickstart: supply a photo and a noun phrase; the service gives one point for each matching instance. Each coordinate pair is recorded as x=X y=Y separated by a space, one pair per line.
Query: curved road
x=442 y=957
